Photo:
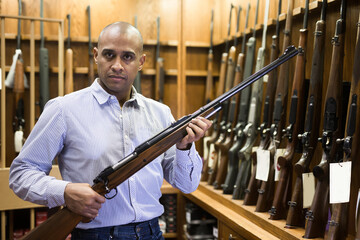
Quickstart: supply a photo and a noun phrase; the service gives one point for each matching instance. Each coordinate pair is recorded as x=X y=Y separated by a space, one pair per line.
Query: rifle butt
x=338 y=223
x=266 y=192
x=251 y=193
x=223 y=166
x=233 y=168
x=296 y=217
x=69 y=81
x=57 y=227
x=242 y=179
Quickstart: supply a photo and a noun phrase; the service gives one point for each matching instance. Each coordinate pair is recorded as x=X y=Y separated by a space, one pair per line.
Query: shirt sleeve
x=182 y=168
x=29 y=172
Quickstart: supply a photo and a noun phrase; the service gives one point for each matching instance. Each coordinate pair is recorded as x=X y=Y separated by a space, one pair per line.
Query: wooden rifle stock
x=19 y=120
x=69 y=82
x=296 y=213
x=332 y=129
x=114 y=175
x=342 y=223
x=91 y=75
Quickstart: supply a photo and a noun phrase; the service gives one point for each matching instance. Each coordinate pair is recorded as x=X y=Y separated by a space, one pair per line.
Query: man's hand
x=195 y=130
x=80 y=198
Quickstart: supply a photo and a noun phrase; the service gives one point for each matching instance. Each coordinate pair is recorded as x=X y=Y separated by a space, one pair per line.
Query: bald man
x=93 y=128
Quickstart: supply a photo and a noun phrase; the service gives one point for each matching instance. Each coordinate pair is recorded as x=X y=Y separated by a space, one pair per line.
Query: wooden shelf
x=166 y=188
x=209 y=198
x=9 y=201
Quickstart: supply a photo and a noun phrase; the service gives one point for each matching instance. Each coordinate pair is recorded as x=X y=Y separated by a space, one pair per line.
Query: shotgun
x=228 y=132
x=296 y=213
x=233 y=160
x=114 y=175
x=222 y=119
x=137 y=81
x=160 y=72
x=282 y=194
x=44 y=65
x=317 y=216
x=244 y=103
x=91 y=75
x=251 y=192
x=343 y=216
x=250 y=130
x=209 y=95
x=69 y=81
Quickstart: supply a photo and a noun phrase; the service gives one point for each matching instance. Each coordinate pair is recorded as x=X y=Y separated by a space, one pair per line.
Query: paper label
x=206 y=149
x=211 y=155
x=215 y=232
x=279 y=152
x=308 y=185
x=340 y=179
x=263 y=164
x=0 y=79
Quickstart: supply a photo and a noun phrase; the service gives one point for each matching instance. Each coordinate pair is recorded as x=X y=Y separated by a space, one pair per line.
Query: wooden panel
x=9 y=200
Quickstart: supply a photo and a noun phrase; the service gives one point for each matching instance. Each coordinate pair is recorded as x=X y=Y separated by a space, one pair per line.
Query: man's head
x=119 y=56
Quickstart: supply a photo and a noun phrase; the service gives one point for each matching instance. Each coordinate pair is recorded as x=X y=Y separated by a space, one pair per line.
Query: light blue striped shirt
x=88 y=131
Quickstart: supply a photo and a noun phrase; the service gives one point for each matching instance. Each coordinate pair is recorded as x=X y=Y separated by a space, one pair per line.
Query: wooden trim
x=3 y=97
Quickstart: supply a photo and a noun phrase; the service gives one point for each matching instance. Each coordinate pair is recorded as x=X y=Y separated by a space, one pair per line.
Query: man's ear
x=95 y=52
x=142 y=61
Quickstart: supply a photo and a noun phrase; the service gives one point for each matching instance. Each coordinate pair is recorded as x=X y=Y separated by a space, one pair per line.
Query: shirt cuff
x=184 y=158
x=55 y=193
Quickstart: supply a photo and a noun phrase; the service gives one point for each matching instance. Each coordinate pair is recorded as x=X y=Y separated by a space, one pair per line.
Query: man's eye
x=127 y=57
x=109 y=55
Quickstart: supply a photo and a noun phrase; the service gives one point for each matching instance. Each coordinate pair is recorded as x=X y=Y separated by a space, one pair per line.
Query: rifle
x=222 y=119
x=343 y=214
x=44 y=65
x=296 y=213
x=283 y=190
x=233 y=160
x=91 y=76
x=250 y=130
x=69 y=83
x=228 y=133
x=317 y=216
x=209 y=95
x=160 y=72
x=251 y=192
x=114 y=175
x=244 y=109
x=137 y=81
x=279 y=115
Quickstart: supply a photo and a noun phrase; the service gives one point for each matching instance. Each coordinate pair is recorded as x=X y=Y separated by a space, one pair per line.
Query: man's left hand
x=195 y=130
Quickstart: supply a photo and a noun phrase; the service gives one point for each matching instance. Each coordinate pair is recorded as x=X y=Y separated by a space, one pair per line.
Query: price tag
x=308 y=189
x=0 y=79
x=188 y=217
x=211 y=155
x=215 y=232
x=206 y=149
x=263 y=164
x=279 y=152
x=340 y=179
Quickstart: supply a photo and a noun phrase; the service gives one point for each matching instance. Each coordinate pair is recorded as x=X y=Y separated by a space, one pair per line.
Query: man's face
x=118 y=59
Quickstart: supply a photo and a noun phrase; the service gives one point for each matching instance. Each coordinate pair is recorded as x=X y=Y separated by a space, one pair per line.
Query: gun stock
x=114 y=175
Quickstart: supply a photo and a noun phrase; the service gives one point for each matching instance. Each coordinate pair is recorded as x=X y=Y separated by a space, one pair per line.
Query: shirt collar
x=102 y=96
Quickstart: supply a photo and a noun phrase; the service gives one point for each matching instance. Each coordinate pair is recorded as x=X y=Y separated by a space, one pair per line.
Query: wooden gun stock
x=114 y=175
x=159 y=81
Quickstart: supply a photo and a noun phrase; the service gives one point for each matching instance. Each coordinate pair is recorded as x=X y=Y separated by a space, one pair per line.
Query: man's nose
x=117 y=66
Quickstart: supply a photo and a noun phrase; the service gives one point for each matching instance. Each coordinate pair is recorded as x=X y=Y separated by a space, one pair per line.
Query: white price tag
x=215 y=232
x=211 y=155
x=279 y=152
x=340 y=179
x=188 y=217
x=0 y=79
x=308 y=189
x=206 y=149
x=263 y=164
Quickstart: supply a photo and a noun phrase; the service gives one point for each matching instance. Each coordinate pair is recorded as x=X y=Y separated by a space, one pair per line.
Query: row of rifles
x=231 y=164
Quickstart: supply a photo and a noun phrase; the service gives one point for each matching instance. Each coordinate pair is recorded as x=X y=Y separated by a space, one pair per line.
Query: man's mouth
x=117 y=77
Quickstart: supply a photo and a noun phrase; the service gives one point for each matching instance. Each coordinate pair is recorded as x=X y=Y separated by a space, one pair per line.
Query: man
x=96 y=127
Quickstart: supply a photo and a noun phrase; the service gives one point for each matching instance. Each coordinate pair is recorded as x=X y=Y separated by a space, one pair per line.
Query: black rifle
x=44 y=65
x=91 y=75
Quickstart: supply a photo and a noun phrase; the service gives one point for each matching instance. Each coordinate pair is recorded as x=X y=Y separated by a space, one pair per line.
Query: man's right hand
x=81 y=199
